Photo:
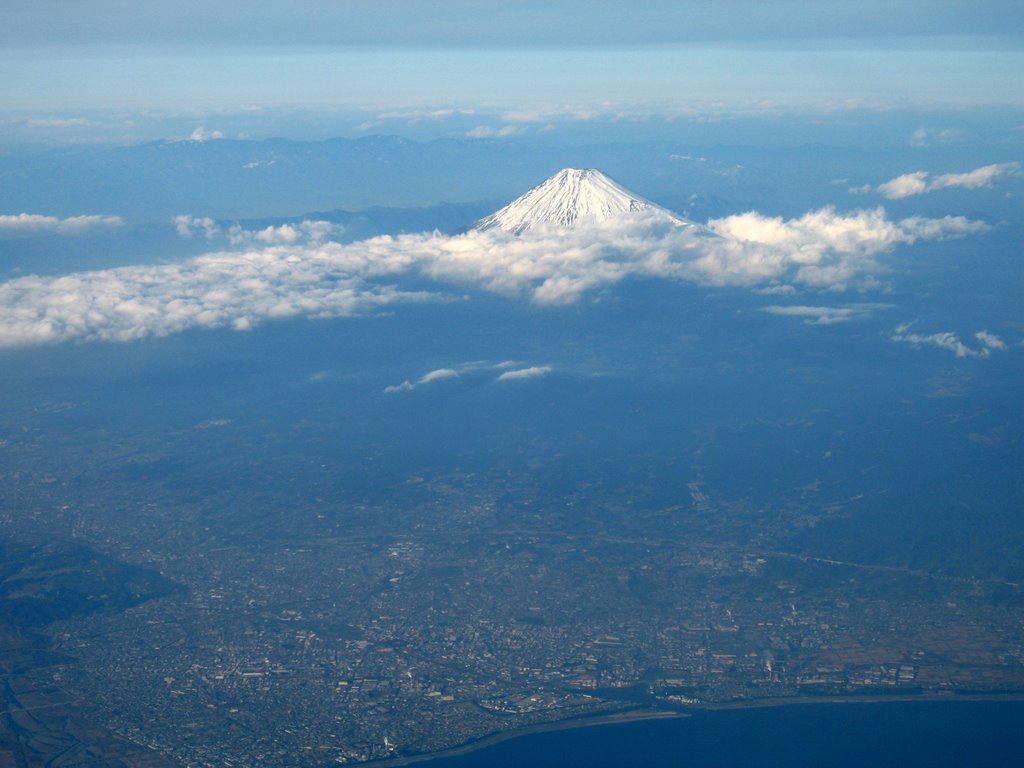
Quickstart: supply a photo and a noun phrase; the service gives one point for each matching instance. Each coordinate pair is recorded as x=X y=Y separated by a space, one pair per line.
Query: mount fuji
x=571 y=198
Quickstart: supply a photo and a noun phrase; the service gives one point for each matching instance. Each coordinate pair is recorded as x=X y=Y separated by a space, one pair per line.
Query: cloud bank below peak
x=292 y=271
x=237 y=290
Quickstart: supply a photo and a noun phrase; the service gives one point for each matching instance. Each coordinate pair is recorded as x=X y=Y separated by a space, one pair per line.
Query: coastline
x=584 y=721
x=644 y=714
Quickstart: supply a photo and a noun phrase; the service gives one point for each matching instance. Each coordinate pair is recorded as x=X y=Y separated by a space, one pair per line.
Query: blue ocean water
x=904 y=734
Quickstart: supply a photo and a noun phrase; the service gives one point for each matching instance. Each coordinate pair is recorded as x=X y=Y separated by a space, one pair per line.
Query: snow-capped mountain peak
x=571 y=197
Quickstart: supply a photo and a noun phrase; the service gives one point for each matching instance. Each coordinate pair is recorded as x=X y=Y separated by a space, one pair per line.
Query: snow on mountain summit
x=571 y=197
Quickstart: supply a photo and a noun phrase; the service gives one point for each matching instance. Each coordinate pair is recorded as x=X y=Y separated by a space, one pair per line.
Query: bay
x=981 y=734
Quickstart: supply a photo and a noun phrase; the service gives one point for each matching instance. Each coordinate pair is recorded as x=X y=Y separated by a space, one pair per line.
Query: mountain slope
x=570 y=198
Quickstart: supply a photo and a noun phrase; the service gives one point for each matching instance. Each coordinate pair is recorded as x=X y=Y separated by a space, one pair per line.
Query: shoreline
x=646 y=714
x=573 y=723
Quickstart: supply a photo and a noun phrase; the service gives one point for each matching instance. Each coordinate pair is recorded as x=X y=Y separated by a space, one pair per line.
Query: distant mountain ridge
x=570 y=198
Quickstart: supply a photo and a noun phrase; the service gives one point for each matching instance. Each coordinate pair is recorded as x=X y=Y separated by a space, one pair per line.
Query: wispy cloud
x=463 y=369
x=34 y=223
x=533 y=372
x=413 y=115
x=487 y=132
x=950 y=341
x=431 y=376
x=438 y=374
x=990 y=340
x=922 y=182
x=924 y=137
x=291 y=270
x=826 y=315
x=57 y=122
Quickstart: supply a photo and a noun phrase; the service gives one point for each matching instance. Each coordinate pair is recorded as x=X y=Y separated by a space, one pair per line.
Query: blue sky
x=110 y=54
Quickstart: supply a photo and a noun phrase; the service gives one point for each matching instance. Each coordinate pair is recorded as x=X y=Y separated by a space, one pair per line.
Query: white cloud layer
x=291 y=270
x=950 y=341
x=218 y=290
x=922 y=182
x=34 y=223
x=821 y=249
